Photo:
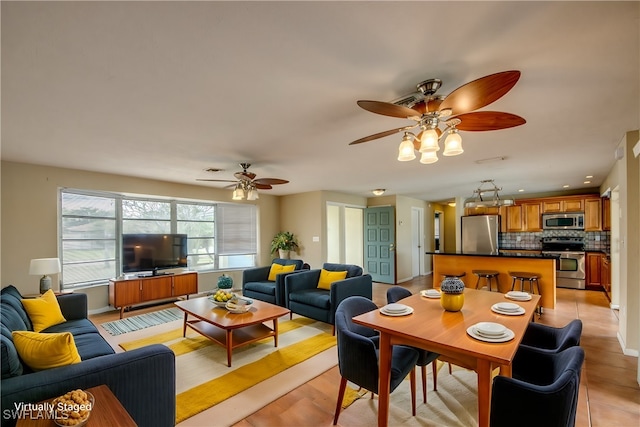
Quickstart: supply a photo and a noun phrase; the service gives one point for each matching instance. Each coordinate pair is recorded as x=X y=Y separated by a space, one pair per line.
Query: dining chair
x=358 y=355
x=545 y=394
x=395 y=294
x=550 y=339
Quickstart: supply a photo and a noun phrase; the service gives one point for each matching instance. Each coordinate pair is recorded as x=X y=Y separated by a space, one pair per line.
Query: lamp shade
x=453 y=144
x=429 y=141
x=428 y=157
x=44 y=266
x=406 y=149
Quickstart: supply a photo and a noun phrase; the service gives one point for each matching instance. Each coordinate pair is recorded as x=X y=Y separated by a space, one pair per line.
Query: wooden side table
x=107 y=411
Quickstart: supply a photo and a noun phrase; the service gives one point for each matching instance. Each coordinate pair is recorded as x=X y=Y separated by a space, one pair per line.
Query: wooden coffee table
x=107 y=411
x=228 y=329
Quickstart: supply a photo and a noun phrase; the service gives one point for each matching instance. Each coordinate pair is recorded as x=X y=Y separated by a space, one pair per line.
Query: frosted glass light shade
x=429 y=141
x=238 y=193
x=453 y=145
x=406 y=150
x=428 y=157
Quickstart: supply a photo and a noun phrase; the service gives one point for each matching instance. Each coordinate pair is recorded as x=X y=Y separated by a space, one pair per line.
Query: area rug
x=203 y=378
x=142 y=321
x=454 y=404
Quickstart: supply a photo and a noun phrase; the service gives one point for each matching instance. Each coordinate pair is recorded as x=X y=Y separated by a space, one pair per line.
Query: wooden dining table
x=432 y=328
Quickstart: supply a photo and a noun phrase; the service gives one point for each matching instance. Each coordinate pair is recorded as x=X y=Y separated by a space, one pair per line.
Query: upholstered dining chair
x=267 y=283
x=358 y=356
x=549 y=339
x=544 y=394
x=395 y=294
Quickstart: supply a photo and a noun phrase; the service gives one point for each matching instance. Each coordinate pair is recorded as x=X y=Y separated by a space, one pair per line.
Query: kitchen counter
x=507 y=254
x=543 y=266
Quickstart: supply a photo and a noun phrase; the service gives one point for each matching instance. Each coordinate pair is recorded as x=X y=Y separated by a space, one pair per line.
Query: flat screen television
x=153 y=252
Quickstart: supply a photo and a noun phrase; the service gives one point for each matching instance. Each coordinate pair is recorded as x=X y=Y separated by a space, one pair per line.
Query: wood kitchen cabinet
x=513 y=218
x=605 y=273
x=561 y=205
x=593 y=266
x=606 y=214
x=592 y=214
x=532 y=220
x=128 y=292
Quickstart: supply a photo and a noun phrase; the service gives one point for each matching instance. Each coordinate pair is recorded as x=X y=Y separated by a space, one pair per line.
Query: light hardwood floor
x=609 y=392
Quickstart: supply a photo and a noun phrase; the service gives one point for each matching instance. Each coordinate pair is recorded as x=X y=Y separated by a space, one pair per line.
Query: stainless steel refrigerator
x=480 y=234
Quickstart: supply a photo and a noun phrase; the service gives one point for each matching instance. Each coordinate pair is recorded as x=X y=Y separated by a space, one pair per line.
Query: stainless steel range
x=570 y=265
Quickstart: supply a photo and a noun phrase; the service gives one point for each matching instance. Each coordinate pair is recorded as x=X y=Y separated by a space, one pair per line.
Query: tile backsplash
x=594 y=240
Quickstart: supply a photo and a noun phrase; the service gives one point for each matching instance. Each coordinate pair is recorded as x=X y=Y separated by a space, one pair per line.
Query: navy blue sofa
x=143 y=380
x=255 y=283
x=303 y=296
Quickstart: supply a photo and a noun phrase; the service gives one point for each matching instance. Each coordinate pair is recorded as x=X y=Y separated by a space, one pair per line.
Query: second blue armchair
x=256 y=283
x=304 y=297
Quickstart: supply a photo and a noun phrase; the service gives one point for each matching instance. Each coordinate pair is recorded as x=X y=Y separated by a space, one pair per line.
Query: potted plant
x=283 y=242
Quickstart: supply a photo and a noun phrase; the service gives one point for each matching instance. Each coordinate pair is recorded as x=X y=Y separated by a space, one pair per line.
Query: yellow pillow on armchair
x=277 y=269
x=328 y=277
x=45 y=351
x=43 y=311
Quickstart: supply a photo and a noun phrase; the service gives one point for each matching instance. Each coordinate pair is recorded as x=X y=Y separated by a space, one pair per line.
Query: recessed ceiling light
x=521 y=190
x=589 y=176
x=587 y=182
x=452 y=204
x=566 y=186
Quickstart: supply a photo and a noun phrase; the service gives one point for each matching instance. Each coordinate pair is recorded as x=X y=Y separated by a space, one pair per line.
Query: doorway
x=345 y=233
x=417 y=242
x=438 y=231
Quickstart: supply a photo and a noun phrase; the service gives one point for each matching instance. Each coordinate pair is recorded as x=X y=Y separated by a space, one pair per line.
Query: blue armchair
x=256 y=283
x=303 y=296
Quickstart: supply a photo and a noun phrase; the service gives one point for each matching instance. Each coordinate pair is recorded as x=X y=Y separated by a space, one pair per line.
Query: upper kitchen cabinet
x=513 y=216
x=569 y=204
x=606 y=214
x=532 y=220
x=593 y=214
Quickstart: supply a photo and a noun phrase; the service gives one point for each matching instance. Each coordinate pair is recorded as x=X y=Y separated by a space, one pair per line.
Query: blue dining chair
x=395 y=294
x=550 y=339
x=358 y=354
x=544 y=394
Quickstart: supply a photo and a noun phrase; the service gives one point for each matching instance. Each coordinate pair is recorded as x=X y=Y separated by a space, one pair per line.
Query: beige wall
x=29 y=218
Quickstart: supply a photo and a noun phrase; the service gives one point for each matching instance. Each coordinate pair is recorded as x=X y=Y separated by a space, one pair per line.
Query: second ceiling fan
x=437 y=115
x=246 y=184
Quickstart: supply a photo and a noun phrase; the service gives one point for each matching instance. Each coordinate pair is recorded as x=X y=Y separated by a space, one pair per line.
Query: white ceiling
x=165 y=90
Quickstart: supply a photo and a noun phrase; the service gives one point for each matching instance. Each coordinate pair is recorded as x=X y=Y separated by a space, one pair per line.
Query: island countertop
x=498 y=255
x=456 y=263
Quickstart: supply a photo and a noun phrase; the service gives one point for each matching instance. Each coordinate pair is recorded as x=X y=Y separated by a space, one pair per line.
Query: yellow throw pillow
x=44 y=311
x=328 y=277
x=277 y=269
x=46 y=351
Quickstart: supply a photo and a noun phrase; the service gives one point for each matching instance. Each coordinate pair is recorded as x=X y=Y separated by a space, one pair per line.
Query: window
x=220 y=235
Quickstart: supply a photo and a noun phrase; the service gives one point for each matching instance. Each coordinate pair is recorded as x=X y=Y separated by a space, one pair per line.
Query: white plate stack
x=518 y=296
x=490 y=332
x=396 y=310
x=430 y=293
x=507 y=308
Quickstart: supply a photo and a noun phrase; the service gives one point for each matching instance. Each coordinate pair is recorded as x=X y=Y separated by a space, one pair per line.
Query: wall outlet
x=316 y=238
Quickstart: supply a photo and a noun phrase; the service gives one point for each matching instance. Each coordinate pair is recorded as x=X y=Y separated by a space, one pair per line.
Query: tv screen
x=150 y=252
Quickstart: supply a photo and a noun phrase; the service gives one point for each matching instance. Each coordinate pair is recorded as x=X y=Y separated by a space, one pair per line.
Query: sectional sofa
x=143 y=380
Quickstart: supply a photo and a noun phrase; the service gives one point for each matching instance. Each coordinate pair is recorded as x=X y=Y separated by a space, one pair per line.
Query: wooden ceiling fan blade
x=480 y=92
x=263 y=186
x=389 y=109
x=380 y=135
x=270 y=181
x=488 y=120
x=217 y=180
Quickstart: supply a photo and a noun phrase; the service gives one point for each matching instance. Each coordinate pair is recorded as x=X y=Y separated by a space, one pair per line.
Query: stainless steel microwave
x=566 y=221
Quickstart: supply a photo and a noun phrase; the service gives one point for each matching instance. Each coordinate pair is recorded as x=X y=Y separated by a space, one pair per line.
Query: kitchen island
x=543 y=266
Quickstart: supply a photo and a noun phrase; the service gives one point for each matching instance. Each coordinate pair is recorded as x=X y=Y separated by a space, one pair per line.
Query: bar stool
x=489 y=276
x=523 y=276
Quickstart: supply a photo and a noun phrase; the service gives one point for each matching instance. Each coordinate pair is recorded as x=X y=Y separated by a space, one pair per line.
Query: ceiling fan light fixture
x=428 y=157
x=453 y=144
x=406 y=150
x=429 y=141
x=253 y=194
x=238 y=193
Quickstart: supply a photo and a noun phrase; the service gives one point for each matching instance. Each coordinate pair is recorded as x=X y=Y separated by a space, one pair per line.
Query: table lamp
x=44 y=266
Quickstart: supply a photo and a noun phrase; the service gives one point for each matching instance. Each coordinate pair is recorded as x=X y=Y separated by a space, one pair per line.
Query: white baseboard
x=626 y=351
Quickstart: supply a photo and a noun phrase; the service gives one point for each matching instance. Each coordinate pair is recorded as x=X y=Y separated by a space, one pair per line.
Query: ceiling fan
x=437 y=115
x=247 y=185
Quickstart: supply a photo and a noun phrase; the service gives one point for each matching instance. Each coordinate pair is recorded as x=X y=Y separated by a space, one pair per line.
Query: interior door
x=379 y=244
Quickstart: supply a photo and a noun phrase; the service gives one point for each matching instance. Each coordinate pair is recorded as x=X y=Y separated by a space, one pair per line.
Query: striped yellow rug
x=203 y=378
